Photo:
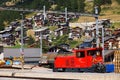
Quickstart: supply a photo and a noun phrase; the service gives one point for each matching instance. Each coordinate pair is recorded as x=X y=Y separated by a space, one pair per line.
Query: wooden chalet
x=38 y=20
x=61 y=31
x=116 y=33
x=28 y=23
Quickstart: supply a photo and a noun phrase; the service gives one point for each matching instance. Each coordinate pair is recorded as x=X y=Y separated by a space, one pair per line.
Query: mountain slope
x=107 y=12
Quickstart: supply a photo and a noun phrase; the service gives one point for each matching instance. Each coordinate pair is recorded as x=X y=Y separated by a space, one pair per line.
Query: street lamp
x=22 y=49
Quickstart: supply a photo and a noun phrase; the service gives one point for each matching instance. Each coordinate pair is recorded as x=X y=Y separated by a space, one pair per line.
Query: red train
x=87 y=59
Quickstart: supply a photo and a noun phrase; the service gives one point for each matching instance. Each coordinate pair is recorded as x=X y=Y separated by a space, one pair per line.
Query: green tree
x=31 y=40
x=8 y=16
x=118 y=1
x=97 y=3
x=81 y=5
x=72 y=5
x=107 y=2
x=60 y=39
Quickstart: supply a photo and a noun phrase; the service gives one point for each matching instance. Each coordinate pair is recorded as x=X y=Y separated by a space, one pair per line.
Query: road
x=47 y=74
x=9 y=78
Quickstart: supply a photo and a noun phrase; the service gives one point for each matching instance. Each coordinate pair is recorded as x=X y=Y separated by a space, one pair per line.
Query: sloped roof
x=6 y=35
x=109 y=37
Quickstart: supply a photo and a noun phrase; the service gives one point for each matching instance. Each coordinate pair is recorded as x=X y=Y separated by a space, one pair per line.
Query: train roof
x=86 y=49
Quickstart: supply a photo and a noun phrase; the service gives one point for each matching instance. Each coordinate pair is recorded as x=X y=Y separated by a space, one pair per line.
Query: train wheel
x=75 y=70
x=63 y=69
x=100 y=68
x=51 y=65
x=55 y=69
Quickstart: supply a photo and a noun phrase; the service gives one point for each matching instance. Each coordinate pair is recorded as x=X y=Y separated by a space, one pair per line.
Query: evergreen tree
x=8 y=16
x=81 y=5
x=107 y=2
x=97 y=3
x=31 y=40
x=118 y=1
x=73 y=6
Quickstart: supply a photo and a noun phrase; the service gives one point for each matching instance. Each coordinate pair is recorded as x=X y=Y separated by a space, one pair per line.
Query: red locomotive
x=87 y=59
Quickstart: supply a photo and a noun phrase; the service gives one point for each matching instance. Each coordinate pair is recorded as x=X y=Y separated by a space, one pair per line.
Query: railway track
x=40 y=73
x=29 y=78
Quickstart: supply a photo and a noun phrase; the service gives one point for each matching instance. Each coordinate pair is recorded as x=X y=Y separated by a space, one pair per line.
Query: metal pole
x=41 y=44
x=44 y=12
x=97 y=31
x=103 y=42
x=22 y=50
x=66 y=14
x=22 y=1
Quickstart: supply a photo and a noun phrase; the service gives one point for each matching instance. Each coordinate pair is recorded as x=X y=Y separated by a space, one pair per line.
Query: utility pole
x=97 y=31
x=22 y=49
x=66 y=15
x=103 y=42
x=40 y=44
x=66 y=20
x=44 y=14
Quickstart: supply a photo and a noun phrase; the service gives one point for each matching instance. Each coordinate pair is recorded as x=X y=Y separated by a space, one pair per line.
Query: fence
x=116 y=61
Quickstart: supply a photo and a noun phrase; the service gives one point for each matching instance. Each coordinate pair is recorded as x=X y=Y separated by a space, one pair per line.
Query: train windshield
x=94 y=52
x=80 y=54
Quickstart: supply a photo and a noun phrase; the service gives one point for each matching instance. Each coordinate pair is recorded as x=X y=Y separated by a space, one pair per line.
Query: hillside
x=108 y=11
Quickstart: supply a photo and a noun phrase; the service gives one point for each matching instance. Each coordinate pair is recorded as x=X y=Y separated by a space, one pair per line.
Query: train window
x=90 y=53
x=80 y=54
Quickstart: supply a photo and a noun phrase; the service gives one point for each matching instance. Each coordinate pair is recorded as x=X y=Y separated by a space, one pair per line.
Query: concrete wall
x=28 y=52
